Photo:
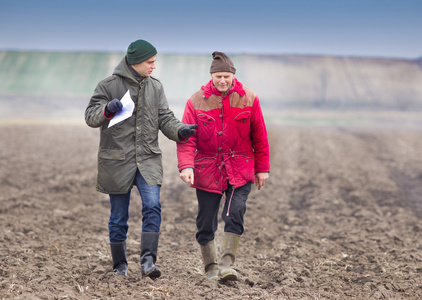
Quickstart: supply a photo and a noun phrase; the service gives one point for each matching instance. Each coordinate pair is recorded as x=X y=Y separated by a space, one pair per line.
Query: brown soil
x=340 y=218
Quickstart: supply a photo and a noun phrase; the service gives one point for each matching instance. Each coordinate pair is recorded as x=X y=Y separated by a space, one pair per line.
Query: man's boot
x=209 y=257
x=118 y=253
x=228 y=256
x=149 y=245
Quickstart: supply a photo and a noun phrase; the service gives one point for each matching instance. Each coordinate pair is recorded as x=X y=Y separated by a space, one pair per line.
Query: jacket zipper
x=208 y=157
x=242 y=156
x=209 y=117
x=244 y=112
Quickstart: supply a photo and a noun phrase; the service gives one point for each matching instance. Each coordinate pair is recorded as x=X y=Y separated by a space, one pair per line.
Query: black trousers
x=208 y=206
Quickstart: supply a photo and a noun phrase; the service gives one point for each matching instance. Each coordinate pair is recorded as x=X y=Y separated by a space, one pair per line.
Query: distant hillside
x=279 y=80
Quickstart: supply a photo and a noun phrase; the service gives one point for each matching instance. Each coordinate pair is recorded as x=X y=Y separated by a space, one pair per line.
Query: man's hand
x=114 y=106
x=187 y=130
x=260 y=179
x=187 y=175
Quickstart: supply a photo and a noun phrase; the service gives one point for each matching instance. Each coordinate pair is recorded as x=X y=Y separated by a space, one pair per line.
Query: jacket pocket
x=151 y=149
x=205 y=171
x=243 y=124
x=245 y=166
x=206 y=127
x=116 y=154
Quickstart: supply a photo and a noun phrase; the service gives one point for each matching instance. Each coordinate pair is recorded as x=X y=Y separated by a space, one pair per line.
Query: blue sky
x=382 y=28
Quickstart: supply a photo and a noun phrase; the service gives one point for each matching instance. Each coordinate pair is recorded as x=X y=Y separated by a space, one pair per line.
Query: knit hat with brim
x=139 y=51
x=221 y=63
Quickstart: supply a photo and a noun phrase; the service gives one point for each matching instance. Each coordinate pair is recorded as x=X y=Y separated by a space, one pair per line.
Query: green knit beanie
x=139 y=51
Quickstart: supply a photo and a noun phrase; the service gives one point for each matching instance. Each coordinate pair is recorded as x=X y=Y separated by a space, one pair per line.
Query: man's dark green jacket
x=133 y=143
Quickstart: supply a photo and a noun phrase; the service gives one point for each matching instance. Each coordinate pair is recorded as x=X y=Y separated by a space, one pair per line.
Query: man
x=229 y=152
x=129 y=153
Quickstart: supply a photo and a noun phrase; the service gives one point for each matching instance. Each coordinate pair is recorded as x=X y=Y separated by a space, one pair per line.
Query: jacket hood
x=122 y=70
x=210 y=89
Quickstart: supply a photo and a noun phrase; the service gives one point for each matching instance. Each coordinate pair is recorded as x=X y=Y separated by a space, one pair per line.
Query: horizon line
x=229 y=52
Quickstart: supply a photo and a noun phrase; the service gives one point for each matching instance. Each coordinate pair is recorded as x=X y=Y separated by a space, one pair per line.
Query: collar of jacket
x=137 y=76
x=123 y=70
x=210 y=89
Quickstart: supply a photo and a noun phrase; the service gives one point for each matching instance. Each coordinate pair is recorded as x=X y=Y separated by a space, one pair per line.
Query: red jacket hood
x=210 y=89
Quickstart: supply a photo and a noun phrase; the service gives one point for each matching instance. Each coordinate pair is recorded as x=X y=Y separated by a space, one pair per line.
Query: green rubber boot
x=209 y=257
x=228 y=256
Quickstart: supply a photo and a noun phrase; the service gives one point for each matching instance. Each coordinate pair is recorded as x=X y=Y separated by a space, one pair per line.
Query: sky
x=375 y=28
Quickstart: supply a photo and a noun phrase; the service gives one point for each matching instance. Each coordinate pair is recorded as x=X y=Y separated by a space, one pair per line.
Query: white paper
x=126 y=111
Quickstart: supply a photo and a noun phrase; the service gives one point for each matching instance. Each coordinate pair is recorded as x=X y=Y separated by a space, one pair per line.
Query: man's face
x=222 y=81
x=146 y=67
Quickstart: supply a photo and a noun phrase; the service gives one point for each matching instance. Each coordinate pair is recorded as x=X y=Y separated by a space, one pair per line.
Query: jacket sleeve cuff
x=262 y=171
x=107 y=115
x=183 y=140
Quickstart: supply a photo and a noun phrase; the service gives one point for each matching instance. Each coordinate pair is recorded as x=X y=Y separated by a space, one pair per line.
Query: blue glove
x=114 y=106
x=187 y=130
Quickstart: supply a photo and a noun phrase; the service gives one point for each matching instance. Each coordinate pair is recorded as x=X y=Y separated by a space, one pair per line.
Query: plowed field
x=340 y=218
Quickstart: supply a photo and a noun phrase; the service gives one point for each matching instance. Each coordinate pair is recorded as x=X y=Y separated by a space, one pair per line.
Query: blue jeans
x=119 y=210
